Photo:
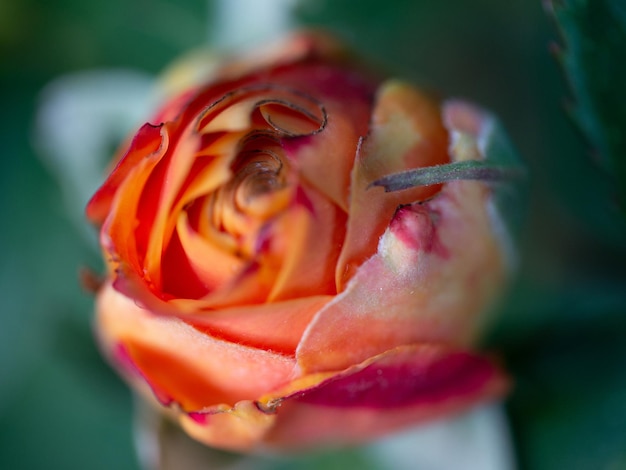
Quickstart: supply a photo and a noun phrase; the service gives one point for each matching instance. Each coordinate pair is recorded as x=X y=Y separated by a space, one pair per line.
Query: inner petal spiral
x=245 y=217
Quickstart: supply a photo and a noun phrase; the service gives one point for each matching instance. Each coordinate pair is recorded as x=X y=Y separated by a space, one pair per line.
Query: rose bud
x=265 y=288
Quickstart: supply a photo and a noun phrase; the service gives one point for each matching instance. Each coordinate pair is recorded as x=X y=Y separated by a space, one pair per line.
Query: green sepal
x=466 y=170
x=500 y=166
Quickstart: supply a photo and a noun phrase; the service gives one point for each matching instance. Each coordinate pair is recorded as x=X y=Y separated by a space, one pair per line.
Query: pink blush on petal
x=424 y=381
x=199 y=418
x=416 y=227
x=293 y=145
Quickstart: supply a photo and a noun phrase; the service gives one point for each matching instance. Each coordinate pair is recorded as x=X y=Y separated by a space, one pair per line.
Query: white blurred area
x=238 y=24
x=81 y=120
x=477 y=440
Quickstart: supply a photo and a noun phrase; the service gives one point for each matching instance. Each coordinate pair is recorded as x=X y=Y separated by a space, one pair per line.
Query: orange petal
x=406 y=132
x=148 y=144
x=182 y=364
x=163 y=186
x=122 y=235
x=439 y=266
x=311 y=232
x=276 y=326
x=212 y=264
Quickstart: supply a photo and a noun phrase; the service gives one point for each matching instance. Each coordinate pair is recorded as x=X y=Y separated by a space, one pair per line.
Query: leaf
x=593 y=58
x=568 y=406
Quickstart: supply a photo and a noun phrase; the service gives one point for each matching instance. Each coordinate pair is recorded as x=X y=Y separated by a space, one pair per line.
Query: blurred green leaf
x=594 y=61
x=569 y=400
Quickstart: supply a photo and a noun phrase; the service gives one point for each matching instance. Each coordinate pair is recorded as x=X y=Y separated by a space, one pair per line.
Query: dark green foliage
x=593 y=57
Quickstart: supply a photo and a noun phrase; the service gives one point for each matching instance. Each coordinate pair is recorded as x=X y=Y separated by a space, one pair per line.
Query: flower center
x=258 y=191
x=258 y=183
x=241 y=220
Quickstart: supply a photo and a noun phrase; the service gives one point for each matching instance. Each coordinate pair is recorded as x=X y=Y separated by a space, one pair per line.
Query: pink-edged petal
x=398 y=388
x=438 y=268
x=469 y=128
x=406 y=132
x=476 y=135
x=241 y=428
x=347 y=101
x=181 y=363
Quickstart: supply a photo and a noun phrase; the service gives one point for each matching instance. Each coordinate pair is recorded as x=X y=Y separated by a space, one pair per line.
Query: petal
x=476 y=134
x=148 y=143
x=122 y=235
x=300 y=46
x=211 y=263
x=406 y=132
x=276 y=326
x=180 y=363
x=241 y=428
x=439 y=266
x=395 y=389
x=326 y=159
x=312 y=232
x=161 y=191
x=297 y=260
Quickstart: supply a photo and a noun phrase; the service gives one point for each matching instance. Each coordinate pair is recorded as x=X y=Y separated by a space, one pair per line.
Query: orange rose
x=261 y=288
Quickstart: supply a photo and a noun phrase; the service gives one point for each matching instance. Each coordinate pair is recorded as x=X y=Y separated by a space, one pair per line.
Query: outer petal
x=241 y=428
x=180 y=363
x=147 y=144
x=395 y=389
x=438 y=267
x=406 y=132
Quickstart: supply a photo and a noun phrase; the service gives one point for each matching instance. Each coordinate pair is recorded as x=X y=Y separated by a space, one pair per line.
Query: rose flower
x=263 y=291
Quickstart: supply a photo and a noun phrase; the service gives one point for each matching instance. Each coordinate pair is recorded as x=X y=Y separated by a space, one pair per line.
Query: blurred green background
x=562 y=329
